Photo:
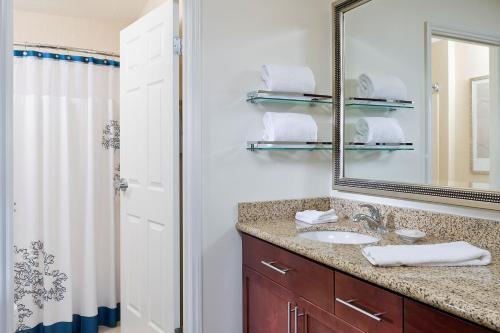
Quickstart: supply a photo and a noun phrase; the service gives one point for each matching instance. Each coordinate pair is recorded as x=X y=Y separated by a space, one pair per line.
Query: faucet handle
x=374 y=212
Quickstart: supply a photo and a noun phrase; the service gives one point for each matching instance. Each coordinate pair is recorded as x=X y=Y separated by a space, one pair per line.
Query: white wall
x=103 y=35
x=150 y=5
x=238 y=37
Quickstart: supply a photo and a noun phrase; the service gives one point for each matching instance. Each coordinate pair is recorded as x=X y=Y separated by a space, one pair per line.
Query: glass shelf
x=351 y=146
x=374 y=104
x=288 y=145
x=262 y=96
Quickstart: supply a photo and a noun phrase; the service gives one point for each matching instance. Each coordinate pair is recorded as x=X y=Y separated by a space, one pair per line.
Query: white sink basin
x=339 y=237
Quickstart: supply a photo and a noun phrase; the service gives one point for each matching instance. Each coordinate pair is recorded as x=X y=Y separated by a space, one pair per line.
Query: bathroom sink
x=339 y=237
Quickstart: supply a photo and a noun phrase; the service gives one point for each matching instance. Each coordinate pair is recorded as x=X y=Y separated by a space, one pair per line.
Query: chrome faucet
x=374 y=220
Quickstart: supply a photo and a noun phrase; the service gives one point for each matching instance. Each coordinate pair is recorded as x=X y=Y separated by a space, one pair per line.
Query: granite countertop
x=472 y=293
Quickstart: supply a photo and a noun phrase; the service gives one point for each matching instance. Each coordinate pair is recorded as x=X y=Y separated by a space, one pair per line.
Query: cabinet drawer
x=306 y=278
x=369 y=308
x=420 y=318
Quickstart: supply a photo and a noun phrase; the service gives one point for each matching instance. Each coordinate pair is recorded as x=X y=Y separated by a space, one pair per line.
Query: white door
x=149 y=158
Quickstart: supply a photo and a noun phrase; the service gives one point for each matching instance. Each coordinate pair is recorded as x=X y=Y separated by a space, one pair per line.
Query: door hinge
x=178 y=330
x=178 y=47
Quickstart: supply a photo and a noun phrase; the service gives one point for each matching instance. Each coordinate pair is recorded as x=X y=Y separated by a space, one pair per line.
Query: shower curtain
x=66 y=230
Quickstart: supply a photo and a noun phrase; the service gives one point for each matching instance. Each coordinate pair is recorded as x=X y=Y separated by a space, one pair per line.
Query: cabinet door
x=312 y=319
x=266 y=305
x=421 y=318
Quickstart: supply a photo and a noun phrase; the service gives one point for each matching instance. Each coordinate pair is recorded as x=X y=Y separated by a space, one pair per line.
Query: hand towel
x=445 y=254
x=289 y=127
x=378 y=130
x=294 y=79
x=381 y=86
x=316 y=217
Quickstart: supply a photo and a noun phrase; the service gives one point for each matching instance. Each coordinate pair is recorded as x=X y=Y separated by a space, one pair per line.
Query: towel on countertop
x=316 y=216
x=378 y=130
x=444 y=254
x=289 y=127
x=293 y=79
x=381 y=86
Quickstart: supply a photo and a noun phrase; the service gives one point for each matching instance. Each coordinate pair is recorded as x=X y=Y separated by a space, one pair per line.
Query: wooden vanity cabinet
x=269 y=308
x=265 y=304
x=367 y=307
x=286 y=293
x=420 y=318
x=306 y=278
x=313 y=319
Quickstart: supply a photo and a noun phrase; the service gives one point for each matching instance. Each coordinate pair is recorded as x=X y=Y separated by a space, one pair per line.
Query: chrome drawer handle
x=375 y=316
x=270 y=264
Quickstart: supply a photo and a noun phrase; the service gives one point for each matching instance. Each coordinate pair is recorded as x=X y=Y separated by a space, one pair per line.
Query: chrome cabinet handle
x=296 y=316
x=296 y=319
x=349 y=303
x=270 y=264
x=289 y=313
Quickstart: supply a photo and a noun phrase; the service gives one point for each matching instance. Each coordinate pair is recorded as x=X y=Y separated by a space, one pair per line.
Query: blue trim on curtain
x=66 y=57
x=105 y=317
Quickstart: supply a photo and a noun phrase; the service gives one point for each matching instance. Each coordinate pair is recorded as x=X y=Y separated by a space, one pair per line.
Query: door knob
x=121 y=185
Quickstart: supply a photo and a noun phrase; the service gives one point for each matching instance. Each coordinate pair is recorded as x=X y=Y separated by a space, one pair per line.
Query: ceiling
x=95 y=9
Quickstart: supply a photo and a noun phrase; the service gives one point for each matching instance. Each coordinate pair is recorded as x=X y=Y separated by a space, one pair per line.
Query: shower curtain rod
x=66 y=48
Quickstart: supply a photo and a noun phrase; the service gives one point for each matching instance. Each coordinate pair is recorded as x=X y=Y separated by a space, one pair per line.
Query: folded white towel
x=289 y=127
x=296 y=79
x=316 y=216
x=313 y=222
x=445 y=254
x=378 y=129
x=381 y=86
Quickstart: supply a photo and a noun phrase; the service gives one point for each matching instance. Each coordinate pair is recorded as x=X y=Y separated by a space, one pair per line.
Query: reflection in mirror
x=462 y=98
x=422 y=93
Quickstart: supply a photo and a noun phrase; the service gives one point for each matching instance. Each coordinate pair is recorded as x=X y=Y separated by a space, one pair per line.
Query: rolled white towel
x=316 y=216
x=378 y=130
x=445 y=254
x=289 y=127
x=381 y=86
x=281 y=78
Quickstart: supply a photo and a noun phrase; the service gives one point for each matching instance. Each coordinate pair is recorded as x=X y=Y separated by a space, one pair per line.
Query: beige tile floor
x=109 y=330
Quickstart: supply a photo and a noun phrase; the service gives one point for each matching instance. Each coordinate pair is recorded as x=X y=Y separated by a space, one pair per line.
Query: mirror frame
x=440 y=194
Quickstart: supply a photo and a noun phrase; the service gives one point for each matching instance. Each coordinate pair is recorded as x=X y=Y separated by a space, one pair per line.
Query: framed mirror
x=417 y=99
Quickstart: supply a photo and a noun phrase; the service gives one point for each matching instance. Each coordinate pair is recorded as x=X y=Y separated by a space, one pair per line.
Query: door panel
x=149 y=162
